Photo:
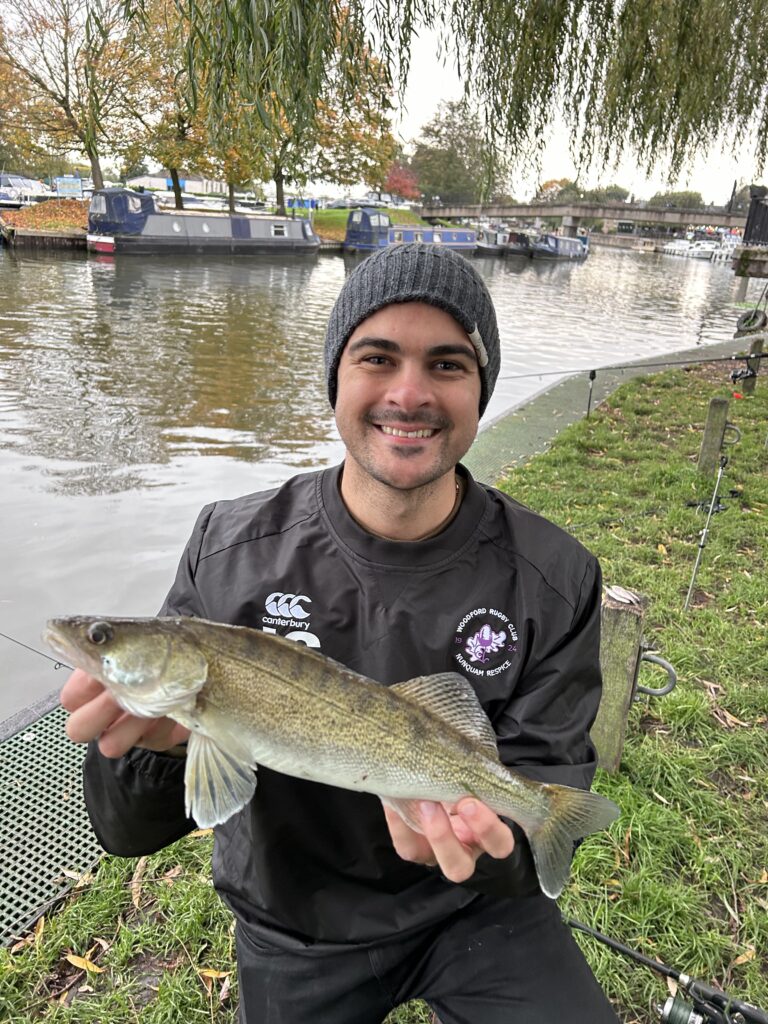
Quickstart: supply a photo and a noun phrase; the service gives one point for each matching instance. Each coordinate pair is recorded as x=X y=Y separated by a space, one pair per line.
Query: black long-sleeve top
x=501 y=595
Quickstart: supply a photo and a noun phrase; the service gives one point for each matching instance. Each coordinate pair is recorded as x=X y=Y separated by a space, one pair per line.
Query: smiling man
x=397 y=564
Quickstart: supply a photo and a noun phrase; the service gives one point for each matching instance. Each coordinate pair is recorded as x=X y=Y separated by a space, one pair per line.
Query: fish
x=251 y=698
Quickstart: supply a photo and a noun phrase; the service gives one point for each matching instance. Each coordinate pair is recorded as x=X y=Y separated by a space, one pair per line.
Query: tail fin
x=573 y=813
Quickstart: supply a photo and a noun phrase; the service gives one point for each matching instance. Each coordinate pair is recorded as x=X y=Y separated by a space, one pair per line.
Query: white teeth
x=407 y=433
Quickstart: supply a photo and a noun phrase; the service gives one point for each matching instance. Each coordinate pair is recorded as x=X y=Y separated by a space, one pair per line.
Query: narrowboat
x=123 y=221
x=369 y=229
x=492 y=241
x=519 y=244
x=559 y=247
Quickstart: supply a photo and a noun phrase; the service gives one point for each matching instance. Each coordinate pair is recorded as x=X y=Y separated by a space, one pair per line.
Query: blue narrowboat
x=123 y=221
x=560 y=247
x=369 y=229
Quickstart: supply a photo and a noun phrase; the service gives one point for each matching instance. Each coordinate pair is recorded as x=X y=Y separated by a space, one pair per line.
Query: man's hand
x=454 y=836
x=95 y=714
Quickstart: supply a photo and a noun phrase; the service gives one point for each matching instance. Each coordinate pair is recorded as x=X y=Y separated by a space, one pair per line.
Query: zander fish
x=250 y=698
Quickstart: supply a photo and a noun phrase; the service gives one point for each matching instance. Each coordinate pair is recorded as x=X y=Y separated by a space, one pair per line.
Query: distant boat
x=519 y=244
x=16 y=190
x=369 y=229
x=702 y=250
x=123 y=221
x=559 y=247
x=491 y=241
x=677 y=247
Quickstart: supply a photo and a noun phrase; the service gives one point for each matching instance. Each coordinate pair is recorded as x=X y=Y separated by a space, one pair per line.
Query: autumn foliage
x=401 y=181
x=51 y=215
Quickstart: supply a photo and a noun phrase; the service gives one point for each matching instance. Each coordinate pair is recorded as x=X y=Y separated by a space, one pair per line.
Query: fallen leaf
x=661 y=549
x=745 y=957
x=138 y=874
x=208 y=972
x=39 y=929
x=83 y=964
x=201 y=832
x=224 y=994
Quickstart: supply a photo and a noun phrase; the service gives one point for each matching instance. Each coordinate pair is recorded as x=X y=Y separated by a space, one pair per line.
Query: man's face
x=408 y=395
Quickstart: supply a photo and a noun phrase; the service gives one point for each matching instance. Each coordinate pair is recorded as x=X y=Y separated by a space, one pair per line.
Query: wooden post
x=622 y=630
x=712 y=442
x=755 y=349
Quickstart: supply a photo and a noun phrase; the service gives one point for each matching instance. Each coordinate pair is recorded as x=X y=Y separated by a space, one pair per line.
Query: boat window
x=278 y=230
x=98 y=206
x=134 y=204
x=437 y=237
x=356 y=217
x=206 y=229
x=176 y=226
x=418 y=236
x=398 y=236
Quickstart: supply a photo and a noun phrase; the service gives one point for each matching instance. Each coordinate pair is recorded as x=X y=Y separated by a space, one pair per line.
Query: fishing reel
x=704 y=1003
x=705 y=1006
x=677 y=1010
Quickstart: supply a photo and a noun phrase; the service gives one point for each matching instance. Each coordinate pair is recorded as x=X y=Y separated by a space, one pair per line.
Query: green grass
x=681 y=876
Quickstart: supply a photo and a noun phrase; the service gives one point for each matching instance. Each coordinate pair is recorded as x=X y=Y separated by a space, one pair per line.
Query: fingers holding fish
x=79 y=689
x=455 y=858
x=489 y=831
x=158 y=734
x=91 y=718
x=410 y=845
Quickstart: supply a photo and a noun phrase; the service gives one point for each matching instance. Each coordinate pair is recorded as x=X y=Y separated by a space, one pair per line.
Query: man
x=396 y=564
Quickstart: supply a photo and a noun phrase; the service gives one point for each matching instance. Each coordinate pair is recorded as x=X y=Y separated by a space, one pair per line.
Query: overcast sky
x=430 y=83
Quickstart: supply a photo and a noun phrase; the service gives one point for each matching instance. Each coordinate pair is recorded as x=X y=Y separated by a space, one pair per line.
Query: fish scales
x=251 y=698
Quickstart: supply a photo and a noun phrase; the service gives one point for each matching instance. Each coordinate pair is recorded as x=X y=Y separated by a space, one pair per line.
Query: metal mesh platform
x=46 y=830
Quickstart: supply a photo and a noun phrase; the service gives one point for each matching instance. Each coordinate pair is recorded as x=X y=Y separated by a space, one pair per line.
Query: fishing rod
x=705 y=1004
x=705 y=531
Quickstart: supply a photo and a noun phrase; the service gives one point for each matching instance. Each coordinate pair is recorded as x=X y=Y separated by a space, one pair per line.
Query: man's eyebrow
x=452 y=348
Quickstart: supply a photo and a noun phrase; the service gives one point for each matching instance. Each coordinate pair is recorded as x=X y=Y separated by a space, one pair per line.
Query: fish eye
x=100 y=632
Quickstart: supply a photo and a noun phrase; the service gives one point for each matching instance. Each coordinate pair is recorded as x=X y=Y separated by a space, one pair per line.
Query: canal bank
x=528 y=428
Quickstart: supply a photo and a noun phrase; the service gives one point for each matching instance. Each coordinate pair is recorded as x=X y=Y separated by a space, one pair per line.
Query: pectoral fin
x=218 y=783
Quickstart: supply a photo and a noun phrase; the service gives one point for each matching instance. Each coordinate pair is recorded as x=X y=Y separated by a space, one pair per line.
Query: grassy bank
x=331 y=225
x=682 y=876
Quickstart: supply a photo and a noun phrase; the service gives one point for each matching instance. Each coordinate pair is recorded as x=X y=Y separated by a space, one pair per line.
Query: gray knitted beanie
x=416 y=272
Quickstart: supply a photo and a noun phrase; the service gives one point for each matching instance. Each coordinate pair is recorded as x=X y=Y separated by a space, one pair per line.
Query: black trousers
x=494 y=962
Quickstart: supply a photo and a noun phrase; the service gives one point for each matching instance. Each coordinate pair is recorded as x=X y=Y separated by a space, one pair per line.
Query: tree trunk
x=280 y=194
x=96 y=175
x=178 y=201
x=231 y=195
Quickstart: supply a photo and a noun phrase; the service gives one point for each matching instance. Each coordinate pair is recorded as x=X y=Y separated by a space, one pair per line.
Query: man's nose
x=410 y=388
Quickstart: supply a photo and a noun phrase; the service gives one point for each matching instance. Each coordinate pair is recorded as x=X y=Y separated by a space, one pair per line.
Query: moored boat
x=559 y=247
x=677 y=247
x=123 y=221
x=702 y=250
x=369 y=228
x=519 y=244
x=491 y=241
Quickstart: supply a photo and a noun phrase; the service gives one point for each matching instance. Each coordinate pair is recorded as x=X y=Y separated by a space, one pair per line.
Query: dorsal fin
x=450 y=697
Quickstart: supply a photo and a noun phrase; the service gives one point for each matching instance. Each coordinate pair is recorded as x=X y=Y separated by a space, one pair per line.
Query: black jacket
x=501 y=595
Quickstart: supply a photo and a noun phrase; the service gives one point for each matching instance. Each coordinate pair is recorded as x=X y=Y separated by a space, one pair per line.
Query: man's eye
x=376 y=360
x=448 y=364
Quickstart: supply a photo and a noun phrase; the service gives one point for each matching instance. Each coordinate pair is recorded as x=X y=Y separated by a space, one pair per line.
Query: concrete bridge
x=573 y=213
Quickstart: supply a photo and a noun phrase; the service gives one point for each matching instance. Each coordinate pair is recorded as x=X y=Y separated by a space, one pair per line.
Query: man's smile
x=396 y=432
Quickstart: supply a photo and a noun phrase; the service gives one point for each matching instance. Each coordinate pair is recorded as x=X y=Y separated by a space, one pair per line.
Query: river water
x=134 y=391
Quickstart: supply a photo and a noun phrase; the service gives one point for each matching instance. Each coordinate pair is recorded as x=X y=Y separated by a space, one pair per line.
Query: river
x=134 y=391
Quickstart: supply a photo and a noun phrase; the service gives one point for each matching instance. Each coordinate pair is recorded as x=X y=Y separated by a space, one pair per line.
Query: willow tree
x=664 y=79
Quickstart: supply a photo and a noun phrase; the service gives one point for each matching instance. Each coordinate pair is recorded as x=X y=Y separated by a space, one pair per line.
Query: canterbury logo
x=287 y=605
